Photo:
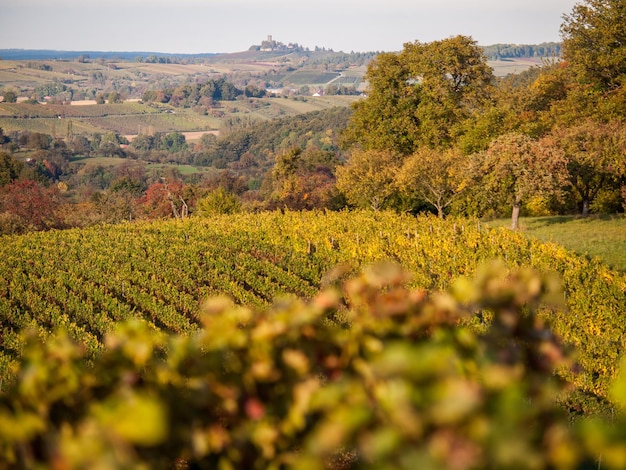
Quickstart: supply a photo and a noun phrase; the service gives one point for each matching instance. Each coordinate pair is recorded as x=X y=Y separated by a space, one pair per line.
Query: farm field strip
x=48 y=126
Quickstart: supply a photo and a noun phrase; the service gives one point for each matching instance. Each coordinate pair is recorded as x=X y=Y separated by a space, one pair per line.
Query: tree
x=385 y=119
x=219 y=201
x=32 y=203
x=172 y=142
x=120 y=202
x=114 y=97
x=516 y=167
x=80 y=145
x=420 y=96
x=114 y=206
x=162 y=200
x=596 y=157
x=143 y=143
x=436 y=177
x=3 y=138
x=110 y=143
x=35 y=140
x=10 y=96
x=367 y=179
x=594 y=43
x=10 y=168
x=302 y=180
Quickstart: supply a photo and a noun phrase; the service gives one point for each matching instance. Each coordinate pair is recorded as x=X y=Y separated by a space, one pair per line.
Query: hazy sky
x=194 y=26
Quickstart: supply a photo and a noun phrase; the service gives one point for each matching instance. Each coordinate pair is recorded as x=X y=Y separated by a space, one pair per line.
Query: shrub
x=219 y=201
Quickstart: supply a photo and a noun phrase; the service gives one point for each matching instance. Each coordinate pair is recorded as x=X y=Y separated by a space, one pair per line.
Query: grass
x=597 y=236
x=185 y=170
x=104 y=161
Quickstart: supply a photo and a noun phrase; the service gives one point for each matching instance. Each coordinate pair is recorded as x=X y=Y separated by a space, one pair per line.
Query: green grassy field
x=602 y=236
x=184 y=170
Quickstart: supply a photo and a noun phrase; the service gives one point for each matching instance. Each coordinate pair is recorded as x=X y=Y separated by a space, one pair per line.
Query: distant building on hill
x=270 y=45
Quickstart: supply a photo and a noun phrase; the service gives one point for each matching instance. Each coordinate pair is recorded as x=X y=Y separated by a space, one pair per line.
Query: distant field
x=189 y=136
x=24 y=110
x=604 y=237
x=131 y=118
x=54 y=127
x=184 y=170
x=123 y=118
x=505 y=67
x=132 y=124
x=104 y=161
x=312 y=77
x=307 y=104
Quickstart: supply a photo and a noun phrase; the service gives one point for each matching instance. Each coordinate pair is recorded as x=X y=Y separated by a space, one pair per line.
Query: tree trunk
x=184 y=211
x=515 y=215
x=439 y=206
x=585 y=212
x=439 y=211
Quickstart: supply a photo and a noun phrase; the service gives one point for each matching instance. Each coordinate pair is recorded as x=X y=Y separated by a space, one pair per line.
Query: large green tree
x=420 y=96
x=594 y=42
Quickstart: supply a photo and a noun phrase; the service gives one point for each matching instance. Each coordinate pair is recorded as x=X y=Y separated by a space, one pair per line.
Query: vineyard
x=123 y=118
x=131 y=117
x=87 y=280
x=316 y=358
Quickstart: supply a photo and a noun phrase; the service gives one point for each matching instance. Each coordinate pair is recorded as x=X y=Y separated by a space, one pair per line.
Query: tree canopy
x=419 y=97
x=596 y=157
x=517 y=167
x=367 y=179
x=594 y=42
x=433 y=176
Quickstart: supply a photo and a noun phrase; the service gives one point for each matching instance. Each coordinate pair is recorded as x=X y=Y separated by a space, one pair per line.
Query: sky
x=219 y=26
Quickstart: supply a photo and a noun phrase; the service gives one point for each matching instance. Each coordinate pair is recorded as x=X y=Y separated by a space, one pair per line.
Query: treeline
x=206 y=94
x=257 y=143
x=523 y=51
x=46 y=54
x=438 y=131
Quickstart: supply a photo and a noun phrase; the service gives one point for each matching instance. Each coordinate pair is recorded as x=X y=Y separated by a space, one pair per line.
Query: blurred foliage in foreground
x=368 y=374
